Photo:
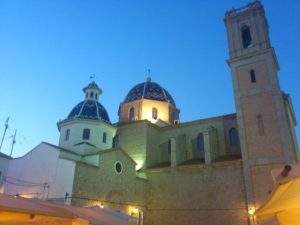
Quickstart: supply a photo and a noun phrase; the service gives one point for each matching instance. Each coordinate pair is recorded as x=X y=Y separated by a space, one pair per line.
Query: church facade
x=209 y=171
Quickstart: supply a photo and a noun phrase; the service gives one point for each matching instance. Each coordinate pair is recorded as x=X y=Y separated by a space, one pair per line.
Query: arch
x=169 y=147
x=67 y=135
x=92 y=94
x=246 y=36
x=86 y=134
x=104 y=137
x=154 y=113
x=115 y=142
x=260 y=124
x=200 y=143
x=131 y=114
x=234 y=137
x=252 y=76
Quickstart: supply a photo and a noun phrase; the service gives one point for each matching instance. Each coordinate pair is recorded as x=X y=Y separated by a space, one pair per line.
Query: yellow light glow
x=162 y=110
x=133 y=211
x=96 y=203
x=139 y=163
x=251 y=210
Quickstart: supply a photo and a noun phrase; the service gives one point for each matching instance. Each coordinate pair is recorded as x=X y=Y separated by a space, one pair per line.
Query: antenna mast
x=13 y=142
x=4 y=133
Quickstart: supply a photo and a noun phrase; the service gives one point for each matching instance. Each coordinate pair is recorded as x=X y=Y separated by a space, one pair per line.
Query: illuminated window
x=86 y=134
x=131 y=114
x=154 y=113
x=233 y=137
x=260 y=124
x=246 y=37
x=252 y=76
x=67 y=136
x=104 y=137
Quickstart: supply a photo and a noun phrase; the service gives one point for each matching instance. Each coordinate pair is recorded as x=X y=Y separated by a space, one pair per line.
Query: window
x=96 y=96
x=86 y=134
x=104 y=137
x=200 y=143
x=246 y=37
x=131 y=114
x=92 y=94
x=260 y=124
x=115 y=143
x=67 y=136
x=233 y=137
x=118 y=167
x=169 y=147
x=252 y=76
x=154 y=113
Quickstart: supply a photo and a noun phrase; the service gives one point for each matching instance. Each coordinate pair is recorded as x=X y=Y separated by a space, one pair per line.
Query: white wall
x=40 y=173
x=76 y=130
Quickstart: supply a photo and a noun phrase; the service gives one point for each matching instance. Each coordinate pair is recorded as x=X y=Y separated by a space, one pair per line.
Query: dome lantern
x=92 y=91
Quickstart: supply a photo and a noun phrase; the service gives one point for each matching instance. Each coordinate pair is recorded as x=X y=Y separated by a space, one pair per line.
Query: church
x=166 y=172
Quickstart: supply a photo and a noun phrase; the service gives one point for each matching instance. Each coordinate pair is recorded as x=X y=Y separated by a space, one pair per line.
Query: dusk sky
x=49 y=49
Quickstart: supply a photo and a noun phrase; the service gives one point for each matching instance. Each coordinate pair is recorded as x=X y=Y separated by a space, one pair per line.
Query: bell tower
x=266 y=130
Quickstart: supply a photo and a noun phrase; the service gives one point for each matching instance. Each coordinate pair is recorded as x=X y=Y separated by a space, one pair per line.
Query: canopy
x=18 y=210
x=284 y=204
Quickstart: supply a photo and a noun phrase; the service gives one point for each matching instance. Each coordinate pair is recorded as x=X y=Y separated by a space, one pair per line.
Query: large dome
x=89 y=109
x=149 y=90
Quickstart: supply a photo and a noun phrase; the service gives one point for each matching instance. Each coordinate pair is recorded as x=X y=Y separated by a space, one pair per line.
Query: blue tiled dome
x=89 y=109
x=149 y=90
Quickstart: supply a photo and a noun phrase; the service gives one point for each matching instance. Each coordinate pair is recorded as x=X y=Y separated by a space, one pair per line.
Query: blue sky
x=48 y=50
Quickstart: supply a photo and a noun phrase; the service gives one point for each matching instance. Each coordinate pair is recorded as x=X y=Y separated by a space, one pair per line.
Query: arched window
x=104 y=137
x=154 y=113
x=115 y=143
x=252 y=76
x=169 y=147
x=260 y=124
x=200 y=143
x=246 y=37
x=86 y=134
x=233 y=137
x=67 y=135
x=91 y=94
x=131 y=114
x=96 y=96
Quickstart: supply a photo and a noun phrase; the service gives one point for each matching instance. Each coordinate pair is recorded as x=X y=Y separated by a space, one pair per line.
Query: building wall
x=94 y=185
x=197 y=194
x=149 y=143
x=183 y=195
x=133 y=139
x=40 y=173
x=165 y=194
x=97 y=128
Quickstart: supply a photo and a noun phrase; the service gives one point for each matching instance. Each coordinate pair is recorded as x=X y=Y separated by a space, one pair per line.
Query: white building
x=47 y=171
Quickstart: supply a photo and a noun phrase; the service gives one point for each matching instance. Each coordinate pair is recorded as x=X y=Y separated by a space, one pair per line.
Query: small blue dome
x=89 y=109
x=149 y=90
